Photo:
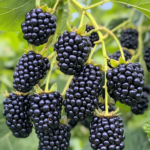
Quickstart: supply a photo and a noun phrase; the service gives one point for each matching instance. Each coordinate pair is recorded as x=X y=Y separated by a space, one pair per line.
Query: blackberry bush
x=72 y=52
x=125 y=83
x=30 y=69
x=129 y=39
x=16 y=109
x=107 y=133
x=94 y=36
x=45 y=111
x=38 y=26
x=82 y=96
x=147 y=57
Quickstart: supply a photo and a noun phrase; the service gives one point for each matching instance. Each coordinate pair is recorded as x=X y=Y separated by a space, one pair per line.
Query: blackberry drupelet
x=129 y=39
x=147 y=57
x=72 y=123
x=30 y=69
x=142 y=104
x=58 y=139
x=146 y=89
x=94 y=36
x=16 y=109
x=107 y=133
x=45 y=111
x=117 y=55
x=82 y=96
x=72 y=52
x=38 y=26
x=125 y=83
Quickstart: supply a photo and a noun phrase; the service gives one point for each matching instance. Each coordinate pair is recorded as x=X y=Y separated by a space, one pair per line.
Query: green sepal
x=81 y=30
x=44 y=52
x=114 y=63
x=53 y=88
x=35 y=49
x=45 y=8
x=122 y=61
x=64 y=120
x=25 y=51
x=5 y=94
x=132 y=59
x=38 y=90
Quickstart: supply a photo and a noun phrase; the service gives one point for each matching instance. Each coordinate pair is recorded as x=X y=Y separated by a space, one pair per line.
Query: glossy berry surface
x=45 y=111
x=81 y=97
x=146 y=89
x=94 y=36
x=16 y=109
x=38 y=26
x=129 y=39
x=58 y=139
x=29 y=71
x=107 y=134
x=142 y=104
x=125 y=83
x=72 y=52
x=147 y=57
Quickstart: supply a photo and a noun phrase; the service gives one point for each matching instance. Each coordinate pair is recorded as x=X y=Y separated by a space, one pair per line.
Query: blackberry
x=94 y=36
x=58 y=139
x=117 y=55
x=72 y=123
x=82 y=95
x=125 y=83
x=72 y=52
x=38 y=26
x=129 y=38
x=142 y=104
x=146 y=89
x=16 y=109
x=147 y=57
x=30 y=69
x=45 y=111
x=107 y=133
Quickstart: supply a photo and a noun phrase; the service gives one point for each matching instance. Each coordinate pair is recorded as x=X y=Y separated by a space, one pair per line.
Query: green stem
x=37 y=3
x=49 y=74
x=51 y=55
x=67 y=85
x=56 y=4
x=94 y=5
x=82 y=17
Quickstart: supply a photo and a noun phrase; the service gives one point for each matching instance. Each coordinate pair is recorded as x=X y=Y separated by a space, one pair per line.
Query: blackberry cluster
x=45 y=111
x=147 y=57
x=72 y=52
x=117 y=55
x=146 y=89
x=142 y=104
x=107 y=133
x=58 y=139
x=94 y=36
x=125 y=83
x=16 y=109
x=38 y=26
x=30 y=69
x=81 y=97
x=129 y=38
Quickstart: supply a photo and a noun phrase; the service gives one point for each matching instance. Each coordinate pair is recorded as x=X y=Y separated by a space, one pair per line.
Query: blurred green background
x=12 y=45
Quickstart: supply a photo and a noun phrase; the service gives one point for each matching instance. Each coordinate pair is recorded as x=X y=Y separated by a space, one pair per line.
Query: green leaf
x=122 y=61
x=137 y=19
x=81 y=30
x=141 y=5
x=147 y=125
x=114 y=63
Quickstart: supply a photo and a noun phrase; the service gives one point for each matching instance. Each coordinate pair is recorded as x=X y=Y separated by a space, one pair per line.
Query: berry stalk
x=56 y=4
x=37 y=3
x=82 y=17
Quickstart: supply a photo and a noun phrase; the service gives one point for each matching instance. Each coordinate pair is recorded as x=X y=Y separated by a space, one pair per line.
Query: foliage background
x=11 y=49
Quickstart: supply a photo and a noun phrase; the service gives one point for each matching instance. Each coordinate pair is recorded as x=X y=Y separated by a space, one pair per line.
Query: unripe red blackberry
x=107 y=133
x=72 y=52
x=38 y=26
x=129 y=39
x=82 y=96
x=146 y=89
x=94 y=36
x=147 y=57
x=125 y=83
x=16 y=109
x=117 y=55
x=58 y=139
x=29 y=71
x=142 y=104
x=45 y=111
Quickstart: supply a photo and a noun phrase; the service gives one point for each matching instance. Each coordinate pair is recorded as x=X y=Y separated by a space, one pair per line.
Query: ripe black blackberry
x=58 y=139
x=72 y=123
x=117 y=55
x=72 y=52
x=146 y=89
x=147 y=57
x=45 y=111
x=125 y=83
x=94 y=36
x=82 y=95
x=16 y=109
x=129 y=38
x=30 y=69
x=142 y=104
x=38 y=26
x=107 y=133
